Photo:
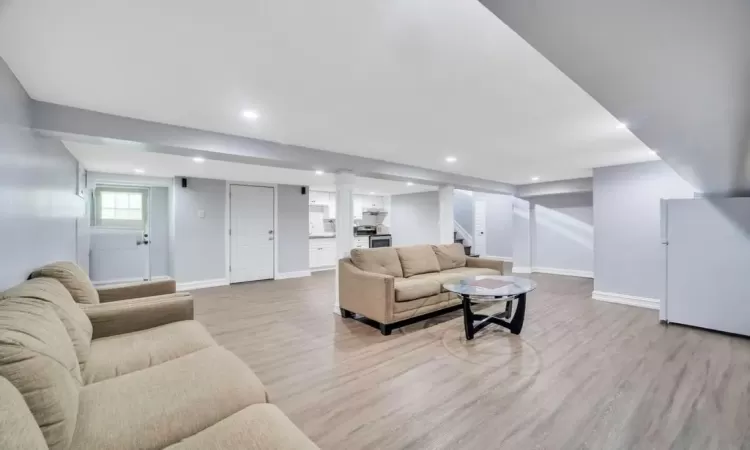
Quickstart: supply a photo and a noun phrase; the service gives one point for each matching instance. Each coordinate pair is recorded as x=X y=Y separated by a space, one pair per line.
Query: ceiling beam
x=573 y=186
x=76 y=124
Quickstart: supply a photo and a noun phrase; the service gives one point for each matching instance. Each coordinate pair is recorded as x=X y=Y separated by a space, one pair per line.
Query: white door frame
x=228 y=226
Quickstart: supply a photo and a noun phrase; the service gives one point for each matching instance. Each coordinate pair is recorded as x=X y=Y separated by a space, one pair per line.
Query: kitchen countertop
x=322 y=236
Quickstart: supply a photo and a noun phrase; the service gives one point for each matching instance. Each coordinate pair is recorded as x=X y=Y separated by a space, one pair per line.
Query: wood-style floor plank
x=582 y=375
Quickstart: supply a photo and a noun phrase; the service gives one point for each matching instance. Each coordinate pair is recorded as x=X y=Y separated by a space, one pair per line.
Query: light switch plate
x=202 y=213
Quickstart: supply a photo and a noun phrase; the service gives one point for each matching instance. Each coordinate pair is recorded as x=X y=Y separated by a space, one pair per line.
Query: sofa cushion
x=379 y=260
x=407 y=289
x=257 y=427
x=37 y=357
x=416 y=259
x=450 y=256
x=72 y=277
x=125 y=353
x=161 y=405
x=75 y=320
x=18 y=429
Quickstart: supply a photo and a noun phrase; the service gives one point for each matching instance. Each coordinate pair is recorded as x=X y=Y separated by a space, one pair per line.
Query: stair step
x=458 y=240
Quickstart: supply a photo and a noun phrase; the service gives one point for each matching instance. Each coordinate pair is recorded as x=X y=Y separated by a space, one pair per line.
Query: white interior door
x=480 y=225
x=119 y=237
x=252 y=233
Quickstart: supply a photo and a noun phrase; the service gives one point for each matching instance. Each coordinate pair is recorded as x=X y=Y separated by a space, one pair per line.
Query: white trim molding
x=202 y=284
x=322 y=269
x=129 y=281
x=298 y=274
x=521 y=269
x=566 y=272
x=623 y=299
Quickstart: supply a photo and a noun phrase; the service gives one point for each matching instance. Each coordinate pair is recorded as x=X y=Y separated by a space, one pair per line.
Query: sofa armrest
x=485 y=263
x=109 y=319
x=367 y=293
x=136 y=290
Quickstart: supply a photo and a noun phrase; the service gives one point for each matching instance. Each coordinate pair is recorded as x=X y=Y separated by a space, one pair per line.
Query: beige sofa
x=395 y=286
x=145 y=383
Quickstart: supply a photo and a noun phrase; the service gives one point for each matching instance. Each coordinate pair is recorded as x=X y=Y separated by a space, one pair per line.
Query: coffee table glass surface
x=490 y=288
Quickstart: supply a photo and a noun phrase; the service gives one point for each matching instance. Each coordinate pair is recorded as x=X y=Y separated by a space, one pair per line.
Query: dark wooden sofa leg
x=385 y=329
x=346 y=314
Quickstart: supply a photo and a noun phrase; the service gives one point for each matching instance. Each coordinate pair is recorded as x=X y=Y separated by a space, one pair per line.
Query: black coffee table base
x=515 y=324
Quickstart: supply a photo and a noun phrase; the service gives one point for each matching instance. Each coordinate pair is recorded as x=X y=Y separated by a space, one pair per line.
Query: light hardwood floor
x=582 y=374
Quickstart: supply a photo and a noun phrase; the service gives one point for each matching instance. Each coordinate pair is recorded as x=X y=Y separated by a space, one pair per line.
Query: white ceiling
x=121 y=160
x=408 y=81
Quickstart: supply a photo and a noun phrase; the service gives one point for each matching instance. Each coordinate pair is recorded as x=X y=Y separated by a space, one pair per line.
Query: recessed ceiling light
x=372 y=193
x=139 y=171
x=409 y=183
x=318 y=172
x=199 y=159
x=622 y=126
x=534 y=178
x=248 y=114
x=450 y=159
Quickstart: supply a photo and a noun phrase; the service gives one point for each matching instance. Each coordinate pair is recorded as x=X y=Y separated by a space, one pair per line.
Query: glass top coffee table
x=492 y=288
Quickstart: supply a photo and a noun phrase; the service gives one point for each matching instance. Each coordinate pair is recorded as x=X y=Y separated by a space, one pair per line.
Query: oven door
x=380 y=241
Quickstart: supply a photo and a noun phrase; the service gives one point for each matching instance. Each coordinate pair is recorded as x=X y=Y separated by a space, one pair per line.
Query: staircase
x=460 y=240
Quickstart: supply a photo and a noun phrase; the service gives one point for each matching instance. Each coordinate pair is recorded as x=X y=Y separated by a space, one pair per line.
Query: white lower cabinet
x=322 y=253
x=362 y=242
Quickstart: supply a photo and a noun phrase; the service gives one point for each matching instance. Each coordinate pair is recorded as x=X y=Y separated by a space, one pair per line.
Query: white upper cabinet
x=319 y=198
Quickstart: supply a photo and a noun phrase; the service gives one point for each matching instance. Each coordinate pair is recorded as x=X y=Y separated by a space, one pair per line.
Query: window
x=119 y=207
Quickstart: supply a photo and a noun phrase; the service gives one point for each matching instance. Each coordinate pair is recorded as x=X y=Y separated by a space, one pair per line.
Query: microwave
x=380 y=240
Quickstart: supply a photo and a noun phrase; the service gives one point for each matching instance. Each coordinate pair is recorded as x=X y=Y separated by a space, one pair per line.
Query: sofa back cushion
x=416 y=259
x=379 y=260
x=72 y=277
x=37 y=357
x=76 y=321
x=450 y=256
x=18 y=429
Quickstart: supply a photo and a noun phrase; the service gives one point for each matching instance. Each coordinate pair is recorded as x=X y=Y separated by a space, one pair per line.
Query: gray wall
x=293 y=229
x=629 y=257
x=159 y=238
x=563 y=232
x=39 y=207
x=414 y=218
x=463 y=210
x=499 y=228
x=199 y=242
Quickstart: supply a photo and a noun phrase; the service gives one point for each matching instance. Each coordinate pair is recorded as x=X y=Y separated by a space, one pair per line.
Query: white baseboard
x=127 y=281
x=321 y=269
x=298 y=274
x=203 y=284
x=499 y=258
x=521 y=269
x=566 y=272
x=623 y=299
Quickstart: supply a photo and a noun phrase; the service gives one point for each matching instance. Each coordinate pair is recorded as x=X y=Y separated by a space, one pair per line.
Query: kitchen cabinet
x=363 y=202
x=361 y=241
x=319 y=198
x=322 y=253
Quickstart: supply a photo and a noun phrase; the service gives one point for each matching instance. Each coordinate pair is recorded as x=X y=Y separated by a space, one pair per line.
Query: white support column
x=344 y=223
x=445 y=219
